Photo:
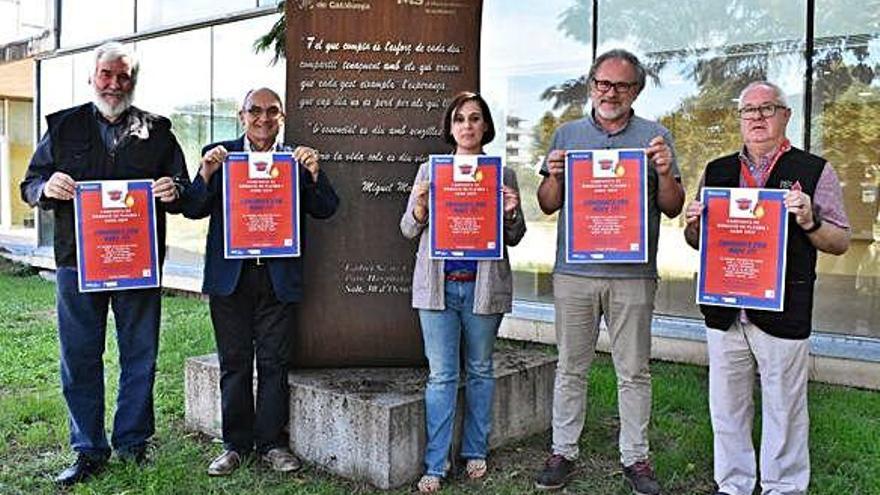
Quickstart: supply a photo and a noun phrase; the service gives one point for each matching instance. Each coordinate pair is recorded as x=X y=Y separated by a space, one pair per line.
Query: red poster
x=606 y=206
x=261 y=205
x=116 y=235
x=465 y=207
x=742 y=248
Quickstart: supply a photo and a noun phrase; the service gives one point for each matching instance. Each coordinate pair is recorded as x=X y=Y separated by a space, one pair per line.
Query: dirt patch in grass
x=15 y=269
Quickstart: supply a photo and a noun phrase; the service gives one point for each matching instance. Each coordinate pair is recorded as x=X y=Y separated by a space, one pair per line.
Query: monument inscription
x=367 y=84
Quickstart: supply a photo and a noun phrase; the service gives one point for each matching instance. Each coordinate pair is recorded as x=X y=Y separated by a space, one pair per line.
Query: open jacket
x=318 y=199
x=493 y=292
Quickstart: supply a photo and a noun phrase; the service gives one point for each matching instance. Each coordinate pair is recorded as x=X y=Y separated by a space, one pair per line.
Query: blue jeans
x=443 y=332
x=82 y=325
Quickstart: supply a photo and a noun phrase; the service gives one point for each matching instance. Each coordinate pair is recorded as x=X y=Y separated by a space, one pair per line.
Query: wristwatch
x=817 y=222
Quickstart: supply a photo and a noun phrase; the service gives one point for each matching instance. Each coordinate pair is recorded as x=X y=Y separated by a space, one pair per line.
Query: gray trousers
x=734 y=356
x=627 y=305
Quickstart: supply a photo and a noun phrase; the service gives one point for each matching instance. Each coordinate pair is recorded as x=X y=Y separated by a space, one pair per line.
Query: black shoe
x=84 y=468
x=554 y=474
x=641 y=478
x=133 y=455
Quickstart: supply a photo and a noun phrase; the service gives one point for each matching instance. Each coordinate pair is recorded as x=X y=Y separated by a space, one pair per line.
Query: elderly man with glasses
x=775 y=344
x=621 y=293
x=253 y=302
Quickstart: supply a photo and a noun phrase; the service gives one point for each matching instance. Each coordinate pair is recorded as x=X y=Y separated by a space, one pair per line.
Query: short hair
x=780 y=95
x=456 y=103
x=252 y=91
x=621 y=54
x=113 y=50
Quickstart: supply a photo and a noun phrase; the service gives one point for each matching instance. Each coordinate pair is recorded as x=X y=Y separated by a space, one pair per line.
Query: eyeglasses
x=604 y=86
x=760 y=112
x=257 y=112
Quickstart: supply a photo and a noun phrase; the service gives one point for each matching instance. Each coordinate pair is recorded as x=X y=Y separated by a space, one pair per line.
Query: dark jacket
x=72 y=144
x=795 y=321
x=318 y=199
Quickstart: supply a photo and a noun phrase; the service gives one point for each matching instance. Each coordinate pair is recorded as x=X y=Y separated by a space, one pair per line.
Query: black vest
x=795 y=321
x=145 y=151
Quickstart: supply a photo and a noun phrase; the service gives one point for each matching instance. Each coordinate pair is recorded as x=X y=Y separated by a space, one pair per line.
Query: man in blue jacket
x=253 y=301
x=107 y=138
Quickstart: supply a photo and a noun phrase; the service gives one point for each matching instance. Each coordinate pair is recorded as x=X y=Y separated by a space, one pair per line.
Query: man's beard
x=111 y=112
x=616 y=114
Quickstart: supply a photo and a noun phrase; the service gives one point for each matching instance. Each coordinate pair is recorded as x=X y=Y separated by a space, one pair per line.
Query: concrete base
x=368 y=424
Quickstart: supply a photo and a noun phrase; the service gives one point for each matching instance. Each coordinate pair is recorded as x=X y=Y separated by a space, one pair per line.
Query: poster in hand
x=261 y=205
x=743 y=238
x=465 y=205
x=116 y=246
x=606 y=195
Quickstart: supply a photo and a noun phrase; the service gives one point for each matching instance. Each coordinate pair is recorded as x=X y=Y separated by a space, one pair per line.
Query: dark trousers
x=82 y=326
x=253 y=321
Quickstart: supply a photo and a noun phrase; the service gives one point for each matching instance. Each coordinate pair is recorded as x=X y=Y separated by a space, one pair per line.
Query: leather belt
x=461 y=276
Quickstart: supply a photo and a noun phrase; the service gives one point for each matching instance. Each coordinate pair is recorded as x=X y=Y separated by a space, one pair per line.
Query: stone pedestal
x=368 y=424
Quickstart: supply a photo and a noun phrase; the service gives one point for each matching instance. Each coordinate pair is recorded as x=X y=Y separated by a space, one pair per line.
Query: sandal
x=476 y=468
x=429 y=484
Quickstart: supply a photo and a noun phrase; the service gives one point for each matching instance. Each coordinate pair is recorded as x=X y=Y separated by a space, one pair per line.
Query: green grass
x=845 y=428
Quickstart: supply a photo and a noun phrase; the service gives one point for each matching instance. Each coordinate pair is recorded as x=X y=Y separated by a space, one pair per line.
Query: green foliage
x=275 y=39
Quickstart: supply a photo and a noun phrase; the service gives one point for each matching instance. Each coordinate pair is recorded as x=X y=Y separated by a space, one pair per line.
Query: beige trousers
x=627 y=306
x=734 y=356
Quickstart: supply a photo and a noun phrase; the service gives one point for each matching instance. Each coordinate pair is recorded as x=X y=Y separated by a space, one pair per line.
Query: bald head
x=261 y=115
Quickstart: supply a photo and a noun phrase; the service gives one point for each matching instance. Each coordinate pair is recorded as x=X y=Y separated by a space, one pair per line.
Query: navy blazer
x=318 y=199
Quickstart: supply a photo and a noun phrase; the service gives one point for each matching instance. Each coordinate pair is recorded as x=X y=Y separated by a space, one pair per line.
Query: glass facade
x=530 y=54
x=159 y=13
x=845 y=130
x=534 y=57
x=699 y=63
x=91 y=21
x=200 y=93
x=19 y=136
x=235 y=42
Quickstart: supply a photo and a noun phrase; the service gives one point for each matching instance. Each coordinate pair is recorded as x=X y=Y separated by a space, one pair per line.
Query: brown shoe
x=282 y=460
x=225 y=463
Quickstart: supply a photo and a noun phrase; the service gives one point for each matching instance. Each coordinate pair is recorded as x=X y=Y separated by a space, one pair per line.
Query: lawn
x=845 y=428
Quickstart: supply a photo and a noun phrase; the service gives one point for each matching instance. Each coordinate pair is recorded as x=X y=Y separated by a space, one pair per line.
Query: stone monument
x=367 y=83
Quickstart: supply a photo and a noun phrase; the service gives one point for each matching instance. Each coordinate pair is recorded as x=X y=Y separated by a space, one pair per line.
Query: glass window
x=698 y=63
x=55 y=86
x=237 y=69
x=157 y=13
x=846 y=131
x=21 y=145
x=178 y=87
x=64 y=82
x=530 y=53
x=8 y=26
x=22 y=20
x=90 y=21
x=56 y=93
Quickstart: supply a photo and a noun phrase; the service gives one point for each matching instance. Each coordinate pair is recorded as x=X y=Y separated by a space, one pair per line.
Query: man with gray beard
x=622 y=294
x=104 y=140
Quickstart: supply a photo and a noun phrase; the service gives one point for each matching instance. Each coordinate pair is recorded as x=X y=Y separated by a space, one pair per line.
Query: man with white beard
x=104 y=140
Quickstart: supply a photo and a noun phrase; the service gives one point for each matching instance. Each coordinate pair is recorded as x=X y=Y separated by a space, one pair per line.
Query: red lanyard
x=747 y=174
